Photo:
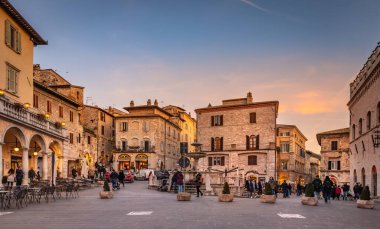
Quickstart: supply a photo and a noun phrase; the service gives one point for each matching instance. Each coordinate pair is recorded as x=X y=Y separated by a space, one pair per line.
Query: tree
x=226 y=188
x=106 y=186
x=268 y=189
x=365 y=195
x=309 y=192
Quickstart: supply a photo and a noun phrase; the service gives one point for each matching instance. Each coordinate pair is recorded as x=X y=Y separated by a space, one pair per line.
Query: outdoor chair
x=69 y=190
x=50 y=190
x=76 y=190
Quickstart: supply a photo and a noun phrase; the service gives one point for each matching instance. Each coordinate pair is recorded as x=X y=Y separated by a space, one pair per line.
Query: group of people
x=178 y=180
x=330 y=190
x=18 y=175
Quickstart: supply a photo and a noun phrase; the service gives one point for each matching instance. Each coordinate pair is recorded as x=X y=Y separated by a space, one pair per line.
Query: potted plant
x=106 y=193
x=268 y=196
x=309 y=198
x=226 y=195
x=365 y=199
x=183 y=196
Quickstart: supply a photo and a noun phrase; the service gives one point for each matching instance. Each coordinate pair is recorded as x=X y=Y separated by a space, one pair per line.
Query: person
x=289 y=189
x=333 y=192
x=327 y=186
x=345 y=189
x=174 y=179
x=121 y=177
x=107 y=176
x=11 y=178
x=180 y=182
x=299 y=189
x=151 y=178
x=272 y=184
x=31 y=175
x=338 y=191
x=74 y=172
x=251 y=188
x=284 y=187
x=317 y=183
x=356 y=191
x=198 y=184
x=260 y=188
x=276 y=188
x=114 y=177
x=19 y=176
x=38 y=176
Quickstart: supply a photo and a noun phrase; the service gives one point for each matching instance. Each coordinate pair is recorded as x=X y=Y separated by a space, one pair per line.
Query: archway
x=124 y=162
x=141 y=161
x=355 y=177
x=363 y=177
x=374 y=180
x=55 y=163
x=37 y=147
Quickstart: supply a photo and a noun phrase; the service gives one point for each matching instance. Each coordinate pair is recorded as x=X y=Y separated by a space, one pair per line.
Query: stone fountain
x=196 y=155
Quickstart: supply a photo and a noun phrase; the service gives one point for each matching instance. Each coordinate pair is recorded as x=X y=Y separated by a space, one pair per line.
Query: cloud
x=254 y=5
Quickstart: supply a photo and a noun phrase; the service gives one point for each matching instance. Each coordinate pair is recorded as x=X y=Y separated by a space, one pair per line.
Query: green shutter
x=7 y=33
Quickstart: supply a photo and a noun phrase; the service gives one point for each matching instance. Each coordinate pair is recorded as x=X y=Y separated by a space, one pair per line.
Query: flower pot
x=311 y=201
x=183 y=196
x=105 y=195
x=367 y=204
x=226 y=197
x=268 y=199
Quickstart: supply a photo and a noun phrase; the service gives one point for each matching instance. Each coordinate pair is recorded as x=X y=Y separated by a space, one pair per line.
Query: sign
x=184 y=162
x=124 y=157
x=141 y=157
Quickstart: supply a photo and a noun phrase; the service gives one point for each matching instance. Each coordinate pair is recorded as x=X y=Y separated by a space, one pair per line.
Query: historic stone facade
x=293 y=163
x=239 y=134
x=146 y=137
x=364 y=106
x=335 y=158
x=90 y=147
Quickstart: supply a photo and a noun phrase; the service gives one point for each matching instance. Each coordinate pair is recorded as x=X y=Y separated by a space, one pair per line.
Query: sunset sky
x=303 y=53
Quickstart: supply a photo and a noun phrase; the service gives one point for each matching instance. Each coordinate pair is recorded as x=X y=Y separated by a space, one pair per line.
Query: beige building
x=90 y=146
x=293 y=163
x=188 y=127
x=315 y=164
x=146 y=137
x=364 y=106
x=241 y=134
x=335 y=158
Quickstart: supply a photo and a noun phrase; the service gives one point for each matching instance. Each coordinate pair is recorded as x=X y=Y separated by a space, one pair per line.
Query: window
x=217 y=120
x=284 y=147
x=360 y=126
x=89 y=140
x=79 y=138
x=284 y=165
x=71 y=116
x=124 y=144
x=252 y=117
x=252 y=160
x=252 y=142
x=147 y=145
x=12 y=81
x=48 y=107
x=353 y=132
x=146 y=126
x=334 y=145
x=334 y=165
x=102 y=117
x=77 y=94
x=71 y=138
x=123 y=126
x=219 y=160
x=35 y=100
x=79 y=117
x=102 y=130
x=369 y=116
x=217 y=144
x=12 y=37
x=60 y=111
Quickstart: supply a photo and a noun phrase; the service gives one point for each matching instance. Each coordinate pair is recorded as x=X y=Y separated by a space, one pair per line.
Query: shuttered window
x=252 y=117
x=334 y=145
x=252 y=160
x=71 y=138
x=123 y=126
x=102 y=130
x=12 y=78
x=35 y=101
x=12 y=37
x=60 y=111
x=48 y=106
x=252 y=142
x=71 y=116
x=217 y=120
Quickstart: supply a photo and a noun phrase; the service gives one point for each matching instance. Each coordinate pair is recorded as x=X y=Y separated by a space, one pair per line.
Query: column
x=44 y=166
x=25 y=166
x=1 y=163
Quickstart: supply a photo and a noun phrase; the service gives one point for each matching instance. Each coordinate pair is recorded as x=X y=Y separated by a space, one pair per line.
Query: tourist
x=338 y=191
x=327 y=186
x=299 y=189
x=11 y=178
x=151 y=178
x=276 y=189
x=289 y=189
x=38 y=176
x=198 y=183
x=107 y=175
x=333 y=192
x=251 y=188
x=260 y=188
x=31 y=175
x=121 y=177
x=346 y=189
x=284 y=187
x=74 y=172
x=19 y=176
x=317 y=183
x=174 y=180
x=114 y=178
x=180 y=182
x=272 y=184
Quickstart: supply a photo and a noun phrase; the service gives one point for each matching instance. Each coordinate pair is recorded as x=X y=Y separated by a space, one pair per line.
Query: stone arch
x=39 y=140
x=363 y=177
x=17 y=132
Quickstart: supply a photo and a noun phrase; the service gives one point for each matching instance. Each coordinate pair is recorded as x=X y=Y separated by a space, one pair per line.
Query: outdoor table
x=32 y=193
x=2 y=198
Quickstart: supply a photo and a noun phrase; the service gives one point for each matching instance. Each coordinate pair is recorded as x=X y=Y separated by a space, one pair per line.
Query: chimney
x=149 y=102
x=209 y=105
x=156 y=102
x=249 y=97
x=132 y=104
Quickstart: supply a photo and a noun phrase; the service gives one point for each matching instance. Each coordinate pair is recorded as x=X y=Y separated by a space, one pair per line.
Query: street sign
x=184 y=162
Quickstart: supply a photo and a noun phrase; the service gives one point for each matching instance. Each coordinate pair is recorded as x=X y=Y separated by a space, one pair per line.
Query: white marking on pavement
x=140 y=213
x=296 y=216
x=5 y=213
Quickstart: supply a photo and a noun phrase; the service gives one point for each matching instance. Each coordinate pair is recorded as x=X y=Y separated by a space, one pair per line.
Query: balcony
x=136 y=149
x=17 y=113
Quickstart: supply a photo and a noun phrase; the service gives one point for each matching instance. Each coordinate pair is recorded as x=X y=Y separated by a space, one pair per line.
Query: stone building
x=146 y=137
x=364 y=106
x=102 y=123
x=241 y=134
x=335 y=158
x=90 y=147
x=315 y=164
x=293 y=163
x=188 y=127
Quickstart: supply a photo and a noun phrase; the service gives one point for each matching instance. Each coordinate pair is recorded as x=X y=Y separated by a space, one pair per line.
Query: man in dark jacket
x=345 y=189
x=284 y=187
x=114 y=178
x=74 y=172
x=31 y=175
x=317 y=183
x=198 y=184
x=19 y=176
x=327 y=186
x=121 y=177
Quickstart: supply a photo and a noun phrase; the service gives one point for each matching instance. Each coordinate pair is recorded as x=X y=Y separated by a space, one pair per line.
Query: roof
x=148 y=106
x=56 y=93
x=169 y=106
x=15 y=15
x=291 y=126
x=101 y=109
x=332 y=132
x=238 y=106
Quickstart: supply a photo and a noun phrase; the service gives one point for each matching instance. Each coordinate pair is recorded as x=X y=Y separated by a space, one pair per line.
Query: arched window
x=360 y=126
x=369 y=116
x=363 y=177
x=353 y=132
x=355 y=176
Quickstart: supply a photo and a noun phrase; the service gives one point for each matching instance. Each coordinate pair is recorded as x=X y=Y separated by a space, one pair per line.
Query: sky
x=303 y=53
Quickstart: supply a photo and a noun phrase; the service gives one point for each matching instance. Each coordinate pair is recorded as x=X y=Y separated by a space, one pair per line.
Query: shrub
x=365 y=195
x=106 y=186
x=226 y=188
x=268 y=189
x=309 y=191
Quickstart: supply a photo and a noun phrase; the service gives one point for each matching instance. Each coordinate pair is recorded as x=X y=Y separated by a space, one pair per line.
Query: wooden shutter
x=222 y=161
x=338 y=165
x=247 y=141
x=209 y=161
x=126 y=126
x=7 y=33
x=221 y=120
x=212 y=144
x=252 y=117
x=329 y=168
x=11 y=80
x=121 y=126
x=18 y=42
x=258 y=142
x=221 y=144
x=212 y=121
x=254 y=160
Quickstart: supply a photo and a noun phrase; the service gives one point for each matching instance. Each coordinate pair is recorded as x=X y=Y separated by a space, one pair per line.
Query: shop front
x=124 y=162
x=141 y=161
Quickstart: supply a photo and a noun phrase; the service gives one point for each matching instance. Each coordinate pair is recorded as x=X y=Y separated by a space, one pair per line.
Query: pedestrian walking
x=38 y=176
x=31 y=175
x=11 y=178
x=180 y=182
x=299 y=189
x=345 y=189
x=174 y=180
x=198 y=184
x=272 y=184
x=19 y=176
x=284 y=187
x=317 y=183
x=338 y=192
x=333 y=192
x=327 y=186
x=289 y=190
x=114 y=178
x=74 y=172
x=260 y=188
x=121 y=177
x=151 y=178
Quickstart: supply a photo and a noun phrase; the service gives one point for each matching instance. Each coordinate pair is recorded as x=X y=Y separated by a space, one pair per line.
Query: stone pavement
x=165 y=212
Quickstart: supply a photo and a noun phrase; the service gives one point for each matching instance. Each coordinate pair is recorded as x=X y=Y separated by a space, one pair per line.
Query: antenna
x=89 y=99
